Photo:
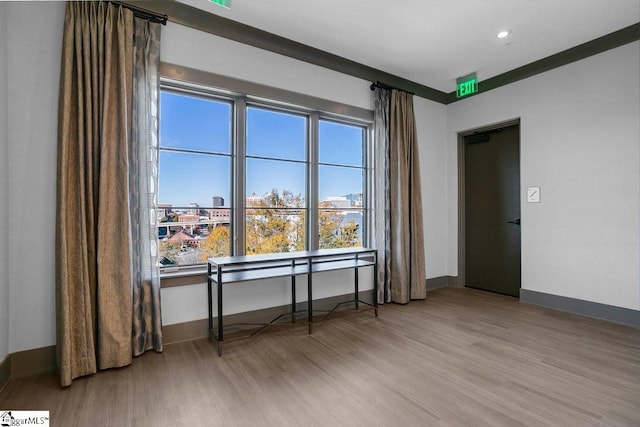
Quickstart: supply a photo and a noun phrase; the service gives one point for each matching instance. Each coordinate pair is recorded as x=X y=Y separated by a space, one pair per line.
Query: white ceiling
x=432 y=42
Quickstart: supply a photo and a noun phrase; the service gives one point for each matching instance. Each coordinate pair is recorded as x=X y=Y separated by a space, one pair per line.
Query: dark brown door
x=492 y=210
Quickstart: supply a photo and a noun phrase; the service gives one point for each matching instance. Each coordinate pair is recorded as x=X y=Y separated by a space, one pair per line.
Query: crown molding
x=199 y=19
x=601 y=44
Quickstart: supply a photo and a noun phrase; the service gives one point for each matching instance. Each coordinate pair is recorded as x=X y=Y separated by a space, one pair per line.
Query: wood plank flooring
x=461 y=358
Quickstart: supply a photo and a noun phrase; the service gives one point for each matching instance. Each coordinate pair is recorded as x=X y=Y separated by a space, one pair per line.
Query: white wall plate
x=533 y=195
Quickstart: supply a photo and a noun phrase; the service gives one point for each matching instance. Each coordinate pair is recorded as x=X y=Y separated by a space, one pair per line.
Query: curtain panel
x=408 y=278
x=398 y=216
x=97 y=256
x=382 y=197
x=143 y=184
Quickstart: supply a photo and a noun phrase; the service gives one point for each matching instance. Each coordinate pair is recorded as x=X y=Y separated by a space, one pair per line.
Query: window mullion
x=312 y=183
x=239 y=175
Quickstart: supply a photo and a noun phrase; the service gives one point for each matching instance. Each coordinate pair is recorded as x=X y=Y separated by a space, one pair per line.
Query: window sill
x=184 y=277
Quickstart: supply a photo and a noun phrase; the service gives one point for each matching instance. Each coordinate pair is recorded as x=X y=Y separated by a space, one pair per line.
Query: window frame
x=243 y=95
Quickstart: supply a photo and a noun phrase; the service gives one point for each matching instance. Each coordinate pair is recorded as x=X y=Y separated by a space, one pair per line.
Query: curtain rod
x=143 y=13
x=386 y=86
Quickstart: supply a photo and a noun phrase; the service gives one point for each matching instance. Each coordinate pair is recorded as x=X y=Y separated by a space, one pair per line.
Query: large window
x=241 y=176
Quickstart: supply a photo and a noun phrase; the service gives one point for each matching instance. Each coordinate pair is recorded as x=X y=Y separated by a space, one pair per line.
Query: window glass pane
x=194 y=200
x=286 y=180
x=340 y=228
x=270 y=230
x=340 y=206
x=190 y=242
x=192 y=123
x=186 y=178
x=341 y=186
x=275 y=134
x=340 y=144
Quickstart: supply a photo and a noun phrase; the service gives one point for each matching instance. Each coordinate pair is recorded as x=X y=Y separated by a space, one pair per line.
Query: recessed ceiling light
x=504 y=33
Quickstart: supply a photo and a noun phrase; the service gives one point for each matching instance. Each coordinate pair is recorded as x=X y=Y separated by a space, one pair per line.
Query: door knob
x=517 y=221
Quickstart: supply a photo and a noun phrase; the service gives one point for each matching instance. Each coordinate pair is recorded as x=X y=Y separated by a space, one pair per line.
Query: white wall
x=196 y=49
x=580 y=142
x=34 y=40
x=4 y=190
x=431 y=118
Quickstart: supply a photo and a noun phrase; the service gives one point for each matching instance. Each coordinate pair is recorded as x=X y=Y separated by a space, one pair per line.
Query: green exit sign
x=225 y=3
x=467 y=85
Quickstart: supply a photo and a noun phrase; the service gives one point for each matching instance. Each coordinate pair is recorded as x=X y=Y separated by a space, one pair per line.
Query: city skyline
x=188 y=206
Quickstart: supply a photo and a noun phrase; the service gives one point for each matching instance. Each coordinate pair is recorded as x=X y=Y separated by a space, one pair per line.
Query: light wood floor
x=462 y=357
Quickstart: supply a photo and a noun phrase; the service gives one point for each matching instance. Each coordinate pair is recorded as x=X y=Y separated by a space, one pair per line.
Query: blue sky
x=204 y=125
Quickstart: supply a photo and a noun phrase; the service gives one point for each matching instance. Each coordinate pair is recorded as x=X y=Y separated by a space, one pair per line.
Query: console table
x=224 y=271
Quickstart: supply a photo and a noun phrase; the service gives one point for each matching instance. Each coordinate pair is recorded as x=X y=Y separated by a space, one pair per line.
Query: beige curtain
x=95 y=263
x=401 y=230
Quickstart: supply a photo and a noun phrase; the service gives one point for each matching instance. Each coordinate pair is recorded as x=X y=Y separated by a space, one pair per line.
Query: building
x=217 y=201
x=338 y=202
x=164 y=209
x=190 y=217
x=219 y=213
x=254 y=200
x=579 y=144
x=355 y=199
x=194 y=209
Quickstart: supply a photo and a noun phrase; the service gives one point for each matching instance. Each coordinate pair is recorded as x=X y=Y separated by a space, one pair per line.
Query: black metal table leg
x=357 y=292
x=293 y=295
x=309 y=295
x=375 y=283
x=210 y=294
x=220 y=324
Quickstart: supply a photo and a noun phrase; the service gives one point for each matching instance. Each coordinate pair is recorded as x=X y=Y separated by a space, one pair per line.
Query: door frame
x=461 y=190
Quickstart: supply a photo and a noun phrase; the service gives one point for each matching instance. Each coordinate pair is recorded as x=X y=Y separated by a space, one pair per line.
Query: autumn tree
x=333 y=233
x=217 y=243
x=276 y=223
x=349 y=235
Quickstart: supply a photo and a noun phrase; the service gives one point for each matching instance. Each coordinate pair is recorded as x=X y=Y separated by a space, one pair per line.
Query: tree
x=349 y=235
x=272 y=226
x=170 y=250
x=329 y=223
x=277 y=223
x=217 y=243
x=334 y=234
